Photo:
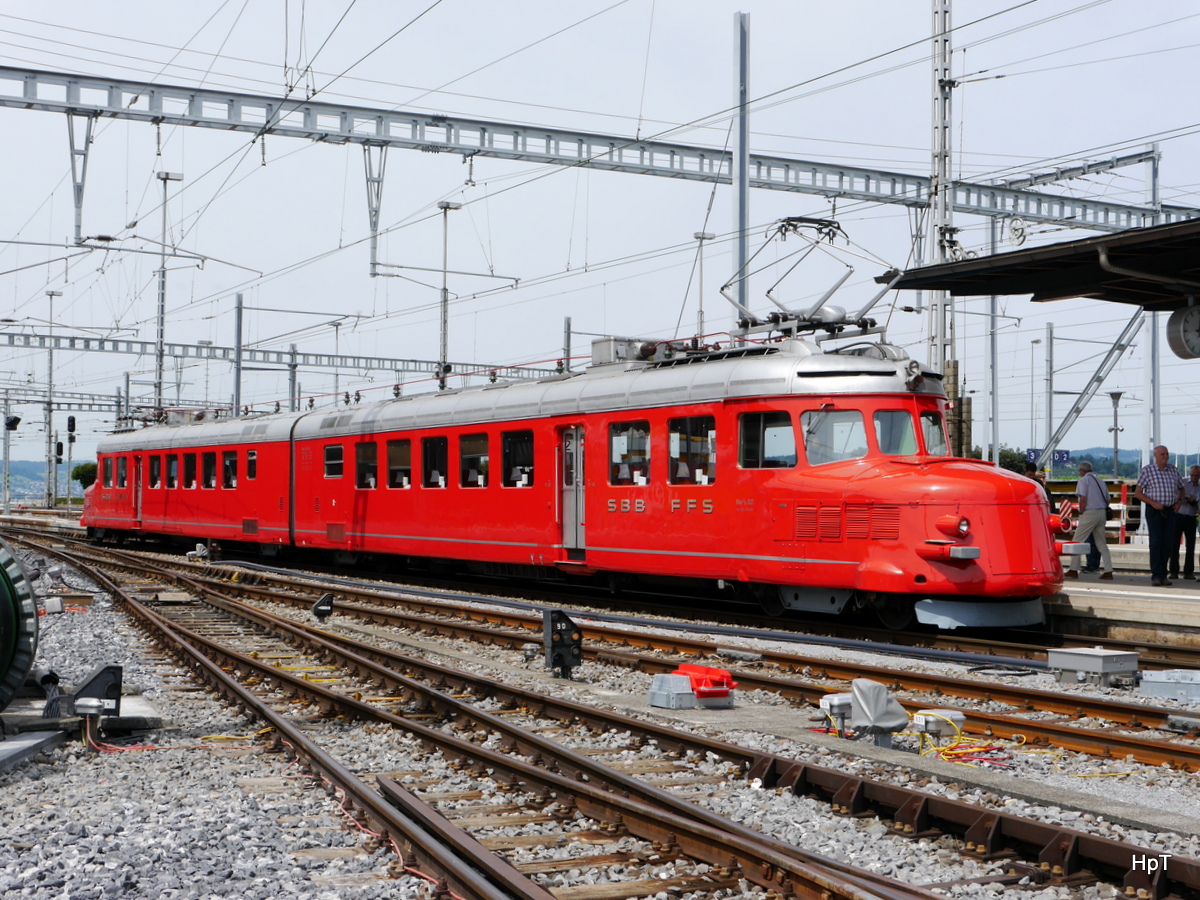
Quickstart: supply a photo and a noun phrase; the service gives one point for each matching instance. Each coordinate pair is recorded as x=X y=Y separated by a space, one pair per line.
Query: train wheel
x=769 y=600
x=894 y=613
x=18 y=625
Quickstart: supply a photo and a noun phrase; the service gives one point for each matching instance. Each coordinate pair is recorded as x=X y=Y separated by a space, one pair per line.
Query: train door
x=137 y=491
x=571 y=449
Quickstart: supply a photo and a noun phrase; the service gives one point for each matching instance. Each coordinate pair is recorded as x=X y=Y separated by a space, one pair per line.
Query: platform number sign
x=1058 y=456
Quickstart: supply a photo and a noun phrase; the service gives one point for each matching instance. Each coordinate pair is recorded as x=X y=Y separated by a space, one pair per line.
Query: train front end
x=977 y=547
x=880 y=516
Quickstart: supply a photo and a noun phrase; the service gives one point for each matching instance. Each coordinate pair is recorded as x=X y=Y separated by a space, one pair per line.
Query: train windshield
x=933 y=431
x=833 y=435
x=894 y=432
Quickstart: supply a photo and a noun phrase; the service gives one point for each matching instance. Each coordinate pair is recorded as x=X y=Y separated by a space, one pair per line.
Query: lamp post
x=161 y=319
x=51 y=468
x=701 y=236
x=1116 y=429
x=445 y=206
x=1032 y=408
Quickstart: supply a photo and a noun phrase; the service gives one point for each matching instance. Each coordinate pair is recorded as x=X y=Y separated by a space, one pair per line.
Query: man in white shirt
x=1093 y=501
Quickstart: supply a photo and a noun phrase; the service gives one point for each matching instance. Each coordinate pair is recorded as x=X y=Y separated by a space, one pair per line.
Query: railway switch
x=562 y=640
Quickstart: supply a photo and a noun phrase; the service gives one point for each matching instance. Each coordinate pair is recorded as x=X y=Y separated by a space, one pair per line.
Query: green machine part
x=18 y=625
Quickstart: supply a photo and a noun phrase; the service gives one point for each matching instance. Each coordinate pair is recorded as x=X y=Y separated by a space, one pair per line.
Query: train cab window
x=517 y=458
x=692 y=443
x=154 y=473
x=122 y=471
x=107 y=470
x=933 y=430
x=435 y=452
x=229 y=468
x=399 y=463
x=366 y=464
x=767 y=441
x=894 y=432
x=189 y=470
x=473 y=460
x=172 y=470
x=251 y=465
x=629 y=453
x=208 y=470
x=333 y=460
x=831 y=435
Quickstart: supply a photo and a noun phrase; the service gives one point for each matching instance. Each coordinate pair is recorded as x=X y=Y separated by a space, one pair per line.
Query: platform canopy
x=1157 y=268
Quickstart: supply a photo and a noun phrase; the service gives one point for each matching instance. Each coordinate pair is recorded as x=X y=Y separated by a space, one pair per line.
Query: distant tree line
x=1014 y=460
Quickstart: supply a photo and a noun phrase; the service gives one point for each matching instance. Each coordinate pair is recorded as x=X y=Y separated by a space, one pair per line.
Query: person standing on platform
x=1185 y=521
x=1039 y=476
x=1093 y=501
x=1160 y=487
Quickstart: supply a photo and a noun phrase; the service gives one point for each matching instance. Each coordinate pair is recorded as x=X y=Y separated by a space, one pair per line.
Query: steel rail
x=1152 y=655
x=1106 y=744
x=716 y=842
x=1126 y=714
x=1061 y=853
x=484 y=876
x=1057 y=852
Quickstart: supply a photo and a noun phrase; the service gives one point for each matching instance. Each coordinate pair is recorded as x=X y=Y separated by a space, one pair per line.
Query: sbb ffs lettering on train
x=637 y=506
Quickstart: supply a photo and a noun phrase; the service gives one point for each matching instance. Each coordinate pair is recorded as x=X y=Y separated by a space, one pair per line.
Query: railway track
x=1100 y=726
x=1024 y=645
x=1055 y=852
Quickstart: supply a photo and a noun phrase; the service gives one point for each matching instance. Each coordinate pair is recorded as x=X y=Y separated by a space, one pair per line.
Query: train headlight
x=955 y=526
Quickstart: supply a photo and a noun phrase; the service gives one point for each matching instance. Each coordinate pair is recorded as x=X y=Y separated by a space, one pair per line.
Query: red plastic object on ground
x=706 y=681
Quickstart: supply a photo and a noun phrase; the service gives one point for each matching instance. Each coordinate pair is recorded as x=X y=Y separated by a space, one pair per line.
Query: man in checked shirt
x=1160 y=487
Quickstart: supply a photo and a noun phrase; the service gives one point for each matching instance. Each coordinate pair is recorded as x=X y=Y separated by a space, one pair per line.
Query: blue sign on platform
x=1058 y=456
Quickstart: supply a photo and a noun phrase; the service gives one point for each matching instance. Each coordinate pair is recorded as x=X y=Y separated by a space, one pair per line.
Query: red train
x=802 y=479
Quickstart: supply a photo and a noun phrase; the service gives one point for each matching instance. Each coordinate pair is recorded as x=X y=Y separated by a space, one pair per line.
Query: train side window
x=122 y=471
x=251 y=465
x=894 y=432
x=208 y=470
x=692 y=443
x=435 y=452
x=629 y=453
x=933 y=430
x=768 y=441
x=107 y=469
x=172 y=470
x=473 y=460
x=154 y=473
x=399 y=463
x=189 y=470
x=229 y=468
x=366 y=464
x=333 y=460
x=831 y=435
x=517 y=458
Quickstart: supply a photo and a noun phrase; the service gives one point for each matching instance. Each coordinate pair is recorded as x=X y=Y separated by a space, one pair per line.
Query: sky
x=284 y=221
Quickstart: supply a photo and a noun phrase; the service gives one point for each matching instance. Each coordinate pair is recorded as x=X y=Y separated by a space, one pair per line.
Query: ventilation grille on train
x=862 y=522
x=249 y=526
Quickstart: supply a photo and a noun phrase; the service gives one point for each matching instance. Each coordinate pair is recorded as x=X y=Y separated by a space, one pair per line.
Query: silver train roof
x=790 y=367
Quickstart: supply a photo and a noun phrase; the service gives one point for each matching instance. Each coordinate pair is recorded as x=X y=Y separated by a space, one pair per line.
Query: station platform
x=1128 y=607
